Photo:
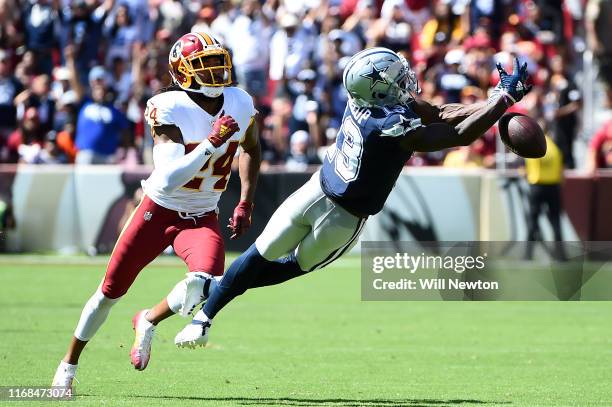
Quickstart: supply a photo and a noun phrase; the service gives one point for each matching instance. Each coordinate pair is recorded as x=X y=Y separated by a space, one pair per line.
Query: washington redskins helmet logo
x=199 y=63
x=175 y=52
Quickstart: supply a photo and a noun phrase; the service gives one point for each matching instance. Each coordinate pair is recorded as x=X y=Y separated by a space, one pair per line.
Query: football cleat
x=141 y=349
x=64 y=375
x=194 y=334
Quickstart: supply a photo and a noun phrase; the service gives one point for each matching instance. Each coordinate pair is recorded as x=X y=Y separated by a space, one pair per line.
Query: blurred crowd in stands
x=75 y=74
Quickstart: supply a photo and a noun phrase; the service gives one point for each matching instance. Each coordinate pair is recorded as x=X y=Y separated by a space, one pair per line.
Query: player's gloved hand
x=224 y=128
x=514 y=86
x=240 y=221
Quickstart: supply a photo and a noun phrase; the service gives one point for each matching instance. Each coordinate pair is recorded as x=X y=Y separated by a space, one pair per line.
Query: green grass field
x=309 y=342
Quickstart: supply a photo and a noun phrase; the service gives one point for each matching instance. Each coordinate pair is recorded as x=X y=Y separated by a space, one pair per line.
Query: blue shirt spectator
x=9 y=88
x=99 y=128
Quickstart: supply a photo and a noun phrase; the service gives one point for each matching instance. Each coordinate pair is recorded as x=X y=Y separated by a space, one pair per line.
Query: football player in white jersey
x=197 y=127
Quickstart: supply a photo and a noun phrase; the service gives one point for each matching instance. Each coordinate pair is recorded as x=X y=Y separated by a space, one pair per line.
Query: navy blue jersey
x=360 y=170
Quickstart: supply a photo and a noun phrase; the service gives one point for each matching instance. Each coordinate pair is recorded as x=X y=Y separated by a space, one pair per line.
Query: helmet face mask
x=379 y=77
x=198 y=63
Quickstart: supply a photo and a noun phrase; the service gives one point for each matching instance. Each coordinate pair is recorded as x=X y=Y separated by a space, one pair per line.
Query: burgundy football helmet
x=199 y=63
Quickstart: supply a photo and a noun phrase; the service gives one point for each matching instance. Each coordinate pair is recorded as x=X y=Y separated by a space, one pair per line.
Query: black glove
x=515 y=85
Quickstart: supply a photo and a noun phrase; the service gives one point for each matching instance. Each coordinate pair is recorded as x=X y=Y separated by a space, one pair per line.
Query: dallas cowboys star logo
x=374 y=75
x=402 y=127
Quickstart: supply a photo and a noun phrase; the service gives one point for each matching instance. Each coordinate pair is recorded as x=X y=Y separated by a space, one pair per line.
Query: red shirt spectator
x=600 y=148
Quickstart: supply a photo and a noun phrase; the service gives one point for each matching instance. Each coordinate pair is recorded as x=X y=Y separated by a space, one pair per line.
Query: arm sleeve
x=174 y=168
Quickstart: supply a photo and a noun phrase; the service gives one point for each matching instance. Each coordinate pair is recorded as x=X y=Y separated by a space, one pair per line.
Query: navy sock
x=249 y=270
x=278 y=271
x=236 y=280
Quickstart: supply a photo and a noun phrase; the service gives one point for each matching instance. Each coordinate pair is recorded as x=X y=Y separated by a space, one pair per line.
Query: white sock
x=93 y=315
x=67 y=366
x=201 y=316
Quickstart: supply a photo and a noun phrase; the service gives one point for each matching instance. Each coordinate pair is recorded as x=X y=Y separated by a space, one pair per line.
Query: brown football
x=522 y=135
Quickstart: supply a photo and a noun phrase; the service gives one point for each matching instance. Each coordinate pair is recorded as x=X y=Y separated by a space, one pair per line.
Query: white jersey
x=202 y=193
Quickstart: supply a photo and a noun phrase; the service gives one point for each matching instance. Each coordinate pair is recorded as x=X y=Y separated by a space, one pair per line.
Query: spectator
x=565 y=117
x=306 y=108
x=290 y=48
x=10 y=33
x=464 y=157
x=65 y=142
x=544 y=176
x=600 y=149
x=223 y=22
x=40 y=33
x=9 y=88
x=172 y=15
x=250 y=31
x=443 y=27
x=100 y=126
x=486 y=16
x=362 y=19
x=120 y=79
x=25 y=143
x=300 y=156
x=453 y=81
x=38 y=95
x=52 y=153
x=121 y=34
x=81 y=29
x=141 y=12
x=275 y=134
x=392 y=30
x=598 y=20
x=26 y=69
x=206 y=16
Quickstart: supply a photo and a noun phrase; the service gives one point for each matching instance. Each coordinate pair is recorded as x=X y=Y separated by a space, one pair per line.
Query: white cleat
x=195 y=334
x=195 y=284
x=64 y=375
x=144 y=333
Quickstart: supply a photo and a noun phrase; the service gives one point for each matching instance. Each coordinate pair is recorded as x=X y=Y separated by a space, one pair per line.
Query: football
x=522 y=135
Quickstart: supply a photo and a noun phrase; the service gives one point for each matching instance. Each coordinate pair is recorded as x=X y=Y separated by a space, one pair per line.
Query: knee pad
x=93 y=315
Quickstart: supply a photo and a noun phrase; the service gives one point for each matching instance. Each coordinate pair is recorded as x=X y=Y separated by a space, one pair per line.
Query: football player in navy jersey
x=383 y=124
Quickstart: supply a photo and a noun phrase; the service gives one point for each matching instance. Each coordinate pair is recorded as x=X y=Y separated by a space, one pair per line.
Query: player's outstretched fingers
x=516 y=68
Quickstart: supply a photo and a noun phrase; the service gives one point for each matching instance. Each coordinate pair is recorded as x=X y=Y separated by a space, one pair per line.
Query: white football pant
x=312 y=226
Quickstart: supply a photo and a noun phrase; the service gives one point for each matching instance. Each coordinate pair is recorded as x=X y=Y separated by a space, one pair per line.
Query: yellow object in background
x=547 y=170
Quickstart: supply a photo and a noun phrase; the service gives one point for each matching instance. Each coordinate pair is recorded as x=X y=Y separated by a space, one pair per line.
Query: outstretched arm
x=441 y=135
x=459 y=125
x=451 y=113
